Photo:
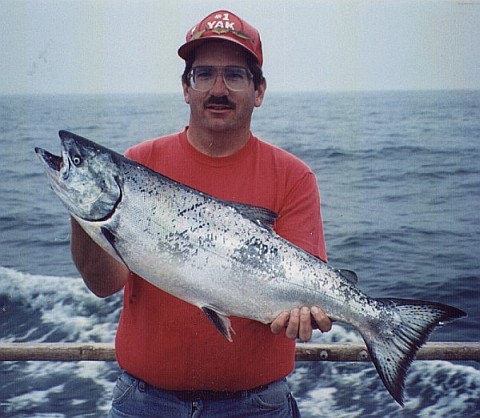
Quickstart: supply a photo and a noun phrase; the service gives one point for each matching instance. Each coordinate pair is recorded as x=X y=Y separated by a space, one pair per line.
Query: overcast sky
x=108 y=46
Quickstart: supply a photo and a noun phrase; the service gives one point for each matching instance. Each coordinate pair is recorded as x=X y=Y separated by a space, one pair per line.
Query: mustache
x=219 y=101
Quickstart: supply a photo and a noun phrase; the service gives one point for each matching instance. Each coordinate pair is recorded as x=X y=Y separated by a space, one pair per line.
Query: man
x=176 y=364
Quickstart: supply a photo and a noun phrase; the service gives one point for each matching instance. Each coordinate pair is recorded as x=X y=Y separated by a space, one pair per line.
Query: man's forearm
x=102 y=274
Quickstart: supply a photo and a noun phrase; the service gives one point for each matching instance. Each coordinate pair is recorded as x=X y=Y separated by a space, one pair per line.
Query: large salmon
x=225 y=257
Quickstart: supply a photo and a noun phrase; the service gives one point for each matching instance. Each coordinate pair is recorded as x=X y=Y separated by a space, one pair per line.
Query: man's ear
x=260 y=93
x=186 y=95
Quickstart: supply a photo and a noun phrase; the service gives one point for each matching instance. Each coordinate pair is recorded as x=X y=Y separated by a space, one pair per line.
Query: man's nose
x=219 y=87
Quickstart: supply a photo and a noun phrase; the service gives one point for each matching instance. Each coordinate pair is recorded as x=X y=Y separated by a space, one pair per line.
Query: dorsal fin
x=265 y=217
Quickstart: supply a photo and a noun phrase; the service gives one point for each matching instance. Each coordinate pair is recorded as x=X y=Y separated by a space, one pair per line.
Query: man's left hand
x=298 y=322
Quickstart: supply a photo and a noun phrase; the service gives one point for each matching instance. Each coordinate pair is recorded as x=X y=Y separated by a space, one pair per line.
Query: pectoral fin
x=221 y=322
x=110 y=237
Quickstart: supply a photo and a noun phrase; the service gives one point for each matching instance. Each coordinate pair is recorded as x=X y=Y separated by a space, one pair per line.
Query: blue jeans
x=136 y=399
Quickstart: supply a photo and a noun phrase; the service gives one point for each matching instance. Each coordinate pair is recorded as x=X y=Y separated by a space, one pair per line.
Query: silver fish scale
x=211 y=246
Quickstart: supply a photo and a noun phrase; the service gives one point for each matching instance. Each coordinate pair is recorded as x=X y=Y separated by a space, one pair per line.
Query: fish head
x=85 y=177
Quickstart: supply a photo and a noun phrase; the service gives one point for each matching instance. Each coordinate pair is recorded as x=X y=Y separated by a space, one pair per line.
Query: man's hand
x=298 y=322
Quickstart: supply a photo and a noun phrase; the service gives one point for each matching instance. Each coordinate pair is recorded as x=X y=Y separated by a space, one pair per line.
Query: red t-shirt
x=170 y=343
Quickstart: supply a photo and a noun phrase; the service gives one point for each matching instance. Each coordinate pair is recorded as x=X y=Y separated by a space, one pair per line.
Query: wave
x=38 y=308
x=438 y=389
x=433 y=389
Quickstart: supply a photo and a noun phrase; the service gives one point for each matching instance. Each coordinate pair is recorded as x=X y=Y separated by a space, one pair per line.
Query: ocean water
x=399 y=175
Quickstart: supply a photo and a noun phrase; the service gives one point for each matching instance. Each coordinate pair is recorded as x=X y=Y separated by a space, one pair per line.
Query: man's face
x=220 y=109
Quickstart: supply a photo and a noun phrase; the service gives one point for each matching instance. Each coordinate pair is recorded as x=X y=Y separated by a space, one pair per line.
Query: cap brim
x=186 y=50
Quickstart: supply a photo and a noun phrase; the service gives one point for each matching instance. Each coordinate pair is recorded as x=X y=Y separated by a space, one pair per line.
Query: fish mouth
x=54 y=162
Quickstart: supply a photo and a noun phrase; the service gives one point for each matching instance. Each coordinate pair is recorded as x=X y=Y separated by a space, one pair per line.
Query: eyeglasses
x=203 y=77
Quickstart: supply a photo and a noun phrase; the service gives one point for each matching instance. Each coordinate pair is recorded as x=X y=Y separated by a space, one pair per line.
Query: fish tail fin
x=394 y=340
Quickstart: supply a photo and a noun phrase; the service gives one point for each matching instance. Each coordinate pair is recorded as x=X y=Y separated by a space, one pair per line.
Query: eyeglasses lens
x=202 y=78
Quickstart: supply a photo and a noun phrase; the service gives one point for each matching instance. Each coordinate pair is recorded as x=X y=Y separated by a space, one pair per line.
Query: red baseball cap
x=227 y=26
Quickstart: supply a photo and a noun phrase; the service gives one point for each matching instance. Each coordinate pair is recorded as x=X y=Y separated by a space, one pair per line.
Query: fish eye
x=76 y=160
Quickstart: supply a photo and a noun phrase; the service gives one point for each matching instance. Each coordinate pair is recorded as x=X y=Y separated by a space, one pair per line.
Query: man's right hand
x=298 y=322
